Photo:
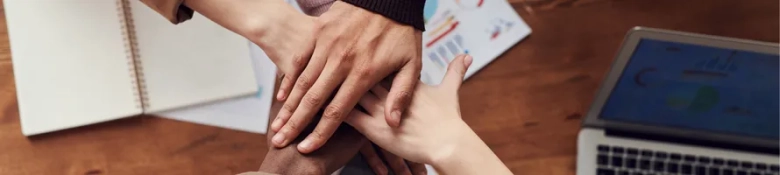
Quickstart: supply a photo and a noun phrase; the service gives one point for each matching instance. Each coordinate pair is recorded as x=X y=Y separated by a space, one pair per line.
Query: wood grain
x=527 y=105
x=5 y=50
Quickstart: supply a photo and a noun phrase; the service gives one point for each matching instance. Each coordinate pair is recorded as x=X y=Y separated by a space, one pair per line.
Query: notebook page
x=70 y=64
x=248 y=114
x=190 y=63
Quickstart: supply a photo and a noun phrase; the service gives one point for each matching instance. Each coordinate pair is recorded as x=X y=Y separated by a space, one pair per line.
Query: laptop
x=683 y=103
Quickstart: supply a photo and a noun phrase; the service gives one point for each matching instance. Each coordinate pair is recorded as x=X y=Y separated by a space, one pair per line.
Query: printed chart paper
x=482 y=28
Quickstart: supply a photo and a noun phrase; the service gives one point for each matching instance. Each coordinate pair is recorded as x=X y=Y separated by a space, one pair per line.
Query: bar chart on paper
x=482 y=28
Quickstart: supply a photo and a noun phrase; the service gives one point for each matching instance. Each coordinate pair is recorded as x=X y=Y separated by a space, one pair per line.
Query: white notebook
x=249 y=114
x=79 y=62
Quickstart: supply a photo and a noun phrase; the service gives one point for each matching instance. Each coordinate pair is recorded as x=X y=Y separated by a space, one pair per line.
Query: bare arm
x=248 y=18
x=470 y=156
x=286 y=35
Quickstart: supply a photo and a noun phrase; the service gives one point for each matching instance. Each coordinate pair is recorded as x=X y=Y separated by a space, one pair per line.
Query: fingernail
x=305 y=145
x=382 y=171
x=278 y=139
x=276 y=125
x=467 y=60
x=397 y=115
x=280 y=95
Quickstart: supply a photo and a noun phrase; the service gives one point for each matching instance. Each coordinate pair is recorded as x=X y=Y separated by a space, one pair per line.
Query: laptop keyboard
x=617 y=160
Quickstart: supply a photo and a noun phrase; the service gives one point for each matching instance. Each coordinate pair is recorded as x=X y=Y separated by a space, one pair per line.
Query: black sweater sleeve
x=409 y=12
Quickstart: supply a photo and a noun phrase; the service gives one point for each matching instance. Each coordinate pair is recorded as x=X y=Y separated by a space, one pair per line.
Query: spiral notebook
x=79 y=62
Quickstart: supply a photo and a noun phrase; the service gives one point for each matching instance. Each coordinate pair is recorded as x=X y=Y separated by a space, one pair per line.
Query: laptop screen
x=698 y=87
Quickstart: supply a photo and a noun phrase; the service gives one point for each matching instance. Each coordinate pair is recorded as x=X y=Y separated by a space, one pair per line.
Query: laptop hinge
x=692 y=142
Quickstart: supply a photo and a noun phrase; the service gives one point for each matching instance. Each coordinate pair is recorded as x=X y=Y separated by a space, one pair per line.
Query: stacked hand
x=339 y=55
x=341 y=148
x=353 y=51
x=357 y=61
x=432 y=126
x=432 y=131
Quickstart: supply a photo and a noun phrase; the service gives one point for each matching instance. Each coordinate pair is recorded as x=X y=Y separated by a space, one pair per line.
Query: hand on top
x=353 y=51
x=341 y=54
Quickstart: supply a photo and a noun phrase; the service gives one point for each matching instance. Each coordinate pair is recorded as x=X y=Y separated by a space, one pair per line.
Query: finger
x=279 y=73
x=401 y=93
x=417 y=168
x=373 y=159
x=301 y=85
x=345 y=100
x=396 y=163
x=455 y=72
x=373 y=127
x=360 y=121
x=380 y=92
x=285 y=87
x=292 y=70
x=310 y=104
x=372 y=104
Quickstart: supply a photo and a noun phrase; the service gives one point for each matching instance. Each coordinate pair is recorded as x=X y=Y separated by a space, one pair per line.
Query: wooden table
x=527 y=105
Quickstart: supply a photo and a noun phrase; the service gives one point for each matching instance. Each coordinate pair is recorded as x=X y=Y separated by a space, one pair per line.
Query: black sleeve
x=409 y=12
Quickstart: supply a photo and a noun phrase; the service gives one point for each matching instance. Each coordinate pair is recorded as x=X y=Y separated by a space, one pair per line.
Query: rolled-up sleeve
x=174 y=10
x=315 y=7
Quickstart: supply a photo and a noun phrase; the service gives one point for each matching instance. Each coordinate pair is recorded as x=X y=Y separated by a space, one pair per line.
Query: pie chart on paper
x=430 y=9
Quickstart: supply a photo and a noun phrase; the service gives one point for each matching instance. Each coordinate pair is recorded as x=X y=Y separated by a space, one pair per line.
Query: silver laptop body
x=683 y=103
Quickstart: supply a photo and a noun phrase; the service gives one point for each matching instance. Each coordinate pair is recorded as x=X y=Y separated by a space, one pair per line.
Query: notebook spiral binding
x=131 y=49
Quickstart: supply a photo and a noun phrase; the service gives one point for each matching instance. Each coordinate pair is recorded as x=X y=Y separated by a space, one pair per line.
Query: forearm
x=280 y=160
x=470 y=156
x=334 y=155
x=248 y=18
x=288 y=161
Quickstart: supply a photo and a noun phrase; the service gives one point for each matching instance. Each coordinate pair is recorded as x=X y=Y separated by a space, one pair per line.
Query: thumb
x=400 y=95
x=455 y=72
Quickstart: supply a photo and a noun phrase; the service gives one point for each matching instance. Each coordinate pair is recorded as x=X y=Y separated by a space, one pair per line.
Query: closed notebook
x=79 y=62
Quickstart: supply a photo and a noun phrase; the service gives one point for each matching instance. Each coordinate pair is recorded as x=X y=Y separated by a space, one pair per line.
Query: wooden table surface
x=527 y=105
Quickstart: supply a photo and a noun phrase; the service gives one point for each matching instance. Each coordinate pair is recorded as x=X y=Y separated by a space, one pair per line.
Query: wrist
x=469 y=155
x=280 y=22
x=257 y=23
x=288 y=161
x=464 y=138
x=250 y=19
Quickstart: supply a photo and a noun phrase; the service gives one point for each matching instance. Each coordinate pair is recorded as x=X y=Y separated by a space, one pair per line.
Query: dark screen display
x=698 y=87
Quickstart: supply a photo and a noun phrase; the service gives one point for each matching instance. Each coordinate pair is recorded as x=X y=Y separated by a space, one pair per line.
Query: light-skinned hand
x=354 y=50
x=431 y=125
x=432 y=131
